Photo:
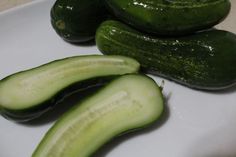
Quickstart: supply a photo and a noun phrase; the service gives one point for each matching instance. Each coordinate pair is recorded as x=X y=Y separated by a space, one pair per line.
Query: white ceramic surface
x=196 y=123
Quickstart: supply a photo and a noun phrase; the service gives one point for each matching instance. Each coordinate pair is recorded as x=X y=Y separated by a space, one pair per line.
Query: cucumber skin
x=27 y=114
x=76 y=21
x=170 y=18
x=161 y=108
x=204 y=60
x=36 y=111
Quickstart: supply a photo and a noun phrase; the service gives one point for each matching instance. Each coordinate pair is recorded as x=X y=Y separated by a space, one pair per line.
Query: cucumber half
x=128 y=103
x=26 y=95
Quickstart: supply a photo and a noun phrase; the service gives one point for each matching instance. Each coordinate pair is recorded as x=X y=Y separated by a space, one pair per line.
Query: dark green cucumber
x=170 y=17
x=206 y=60
x=76 y=21
x=28 y=94
x=128 y=103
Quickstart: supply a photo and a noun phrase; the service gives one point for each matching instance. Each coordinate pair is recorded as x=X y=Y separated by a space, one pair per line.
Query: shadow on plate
x=229 y=90
x=60 y=108
x=84 y=44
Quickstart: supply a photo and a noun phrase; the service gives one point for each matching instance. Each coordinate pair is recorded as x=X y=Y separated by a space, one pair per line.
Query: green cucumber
x=76 y=21
x=170 y=17
x=205 y=60
x=28 y=94
x=128 y=103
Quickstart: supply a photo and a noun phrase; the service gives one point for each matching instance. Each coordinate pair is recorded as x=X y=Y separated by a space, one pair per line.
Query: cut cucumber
x=26 y=95
x=127 y=103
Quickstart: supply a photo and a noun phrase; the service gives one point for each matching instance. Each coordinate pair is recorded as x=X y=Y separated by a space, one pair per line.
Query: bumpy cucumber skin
x=30 y=113
x=76 y=21
x=206 y=60
x=159 y=109
x=166 y=17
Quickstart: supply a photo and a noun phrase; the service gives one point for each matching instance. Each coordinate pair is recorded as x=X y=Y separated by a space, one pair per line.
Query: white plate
x=197 y=124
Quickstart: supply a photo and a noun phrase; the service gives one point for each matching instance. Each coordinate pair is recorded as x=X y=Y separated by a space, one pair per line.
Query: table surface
x=6 y=4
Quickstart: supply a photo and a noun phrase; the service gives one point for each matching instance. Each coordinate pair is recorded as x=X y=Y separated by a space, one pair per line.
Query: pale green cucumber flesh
x=29 y=90
x=127 y=103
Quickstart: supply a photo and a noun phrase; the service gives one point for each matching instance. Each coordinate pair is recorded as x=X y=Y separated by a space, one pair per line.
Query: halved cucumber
x=127 y=103
x=26 y=95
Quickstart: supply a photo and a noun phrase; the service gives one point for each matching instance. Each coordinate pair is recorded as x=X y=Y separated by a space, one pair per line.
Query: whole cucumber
x=76 y=21
x=206 y=60
x=170 y=17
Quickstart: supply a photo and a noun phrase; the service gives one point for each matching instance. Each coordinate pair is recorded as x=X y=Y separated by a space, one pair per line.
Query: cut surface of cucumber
x=128 y=103
x=30 y=91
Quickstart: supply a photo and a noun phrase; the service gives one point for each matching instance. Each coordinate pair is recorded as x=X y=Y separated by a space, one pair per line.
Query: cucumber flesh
x=26 y=94
x=127 y=103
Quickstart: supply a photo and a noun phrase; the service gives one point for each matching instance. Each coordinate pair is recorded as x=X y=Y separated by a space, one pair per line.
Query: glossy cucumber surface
x=205 y=60
x=28 y=94
x=77 y=20
x=128 y=103
x=170 y=17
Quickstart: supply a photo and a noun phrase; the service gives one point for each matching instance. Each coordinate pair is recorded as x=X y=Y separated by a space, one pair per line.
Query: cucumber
x=128 y=103
x=28 y=94
x=205 y=60
x=76 y=21
x=170 y=17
